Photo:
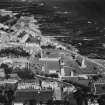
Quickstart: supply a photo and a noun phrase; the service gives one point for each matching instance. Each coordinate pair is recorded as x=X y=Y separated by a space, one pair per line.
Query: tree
x=7 y=69
x=25 y=74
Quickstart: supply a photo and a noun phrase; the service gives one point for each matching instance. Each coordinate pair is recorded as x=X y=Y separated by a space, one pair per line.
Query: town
x=37 y=69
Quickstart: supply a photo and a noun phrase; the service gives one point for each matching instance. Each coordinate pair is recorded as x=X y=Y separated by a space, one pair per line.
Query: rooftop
x=49 y=59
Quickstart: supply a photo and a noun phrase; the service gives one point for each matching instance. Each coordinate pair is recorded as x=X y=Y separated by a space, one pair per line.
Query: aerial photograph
x=52 y=52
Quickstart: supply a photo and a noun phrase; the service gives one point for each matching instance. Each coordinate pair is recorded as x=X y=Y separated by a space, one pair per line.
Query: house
x=30 y=91
x=21 y=62
x=98 y=86
x=16 y=62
